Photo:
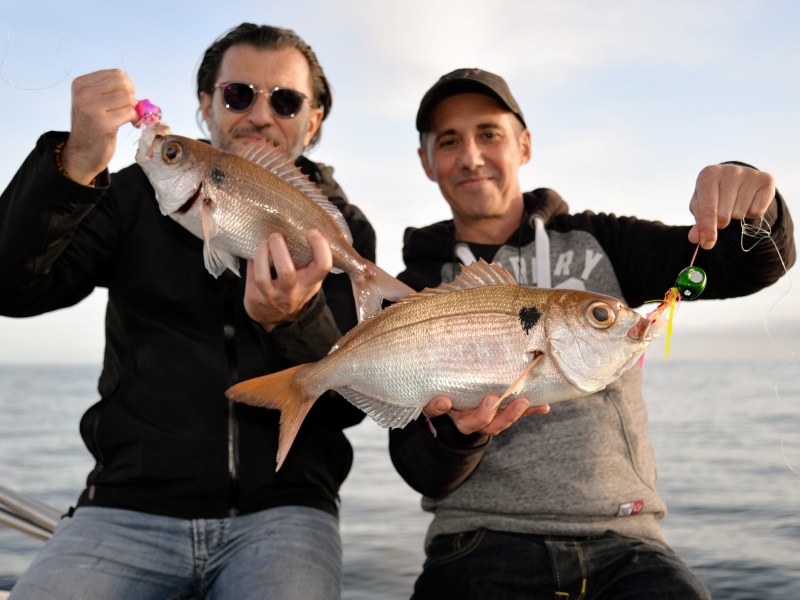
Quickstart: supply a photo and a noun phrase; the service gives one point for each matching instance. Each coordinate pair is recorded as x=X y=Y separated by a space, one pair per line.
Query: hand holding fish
x=272 y=302
x=102 y=102
x=725 y=192
x=485 y=418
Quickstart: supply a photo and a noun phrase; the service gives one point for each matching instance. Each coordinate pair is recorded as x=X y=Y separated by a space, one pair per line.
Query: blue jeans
x=282 y=553
x=492 y=564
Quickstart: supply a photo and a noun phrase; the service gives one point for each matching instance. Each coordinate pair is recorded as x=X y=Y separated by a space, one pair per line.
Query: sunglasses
x=240 y=97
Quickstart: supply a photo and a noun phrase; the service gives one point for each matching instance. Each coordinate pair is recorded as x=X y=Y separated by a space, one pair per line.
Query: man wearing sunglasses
x=184 y=500
x=563 y=505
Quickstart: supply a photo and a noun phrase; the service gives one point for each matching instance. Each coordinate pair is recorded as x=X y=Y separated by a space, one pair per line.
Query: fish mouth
x=190 y=202
x=150 y=132
x=646 y=329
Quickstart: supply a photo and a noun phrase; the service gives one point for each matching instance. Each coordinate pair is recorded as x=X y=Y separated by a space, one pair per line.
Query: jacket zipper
x=229 y=336
x=99 y=461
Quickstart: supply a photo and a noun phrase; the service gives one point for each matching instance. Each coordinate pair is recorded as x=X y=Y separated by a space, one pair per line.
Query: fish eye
x=601 y=315
x=171 y=152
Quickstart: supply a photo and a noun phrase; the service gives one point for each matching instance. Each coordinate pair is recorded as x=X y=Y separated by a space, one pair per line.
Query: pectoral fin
x=524 y=379
x=216 y=259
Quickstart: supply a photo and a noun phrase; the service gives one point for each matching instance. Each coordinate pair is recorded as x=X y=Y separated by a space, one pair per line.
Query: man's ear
x=314 y=121
x=205 y=107
x=525 y=146
x=423 y=157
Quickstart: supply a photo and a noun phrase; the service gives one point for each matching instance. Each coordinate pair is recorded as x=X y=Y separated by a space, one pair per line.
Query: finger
x=437 y=407
x=542 y=409
x=704 y=205
x=694 y=232
x=505 y=418
x=729 y=190
x=105 y=79
x=755 y=195
x=282 y=262
x=322 y=263
x=258 y=270
x=763 y=199
x=470 y=421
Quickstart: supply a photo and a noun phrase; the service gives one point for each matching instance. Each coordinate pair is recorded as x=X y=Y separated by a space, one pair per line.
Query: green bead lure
x=690 y=284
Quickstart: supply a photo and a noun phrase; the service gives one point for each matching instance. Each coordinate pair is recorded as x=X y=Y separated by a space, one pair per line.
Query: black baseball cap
x=463 y=81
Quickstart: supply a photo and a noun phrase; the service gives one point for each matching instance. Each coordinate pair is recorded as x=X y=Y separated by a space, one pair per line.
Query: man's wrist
x=58 y=153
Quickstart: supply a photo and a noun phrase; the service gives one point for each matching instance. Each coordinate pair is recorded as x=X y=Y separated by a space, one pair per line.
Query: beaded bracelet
x=60 y=165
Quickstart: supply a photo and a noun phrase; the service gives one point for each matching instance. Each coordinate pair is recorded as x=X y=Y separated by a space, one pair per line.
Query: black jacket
x=165 y=439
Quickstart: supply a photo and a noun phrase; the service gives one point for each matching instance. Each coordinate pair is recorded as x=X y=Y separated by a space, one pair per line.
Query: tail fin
x=279 y=391
x=372 y=289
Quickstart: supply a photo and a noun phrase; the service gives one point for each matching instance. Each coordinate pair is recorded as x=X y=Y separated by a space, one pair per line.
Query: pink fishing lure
x=148 y=113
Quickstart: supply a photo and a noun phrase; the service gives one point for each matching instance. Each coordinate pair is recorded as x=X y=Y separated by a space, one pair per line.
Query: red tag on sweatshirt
x=630 y=508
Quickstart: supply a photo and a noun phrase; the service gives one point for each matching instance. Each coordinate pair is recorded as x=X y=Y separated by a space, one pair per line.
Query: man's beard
x=227 y=142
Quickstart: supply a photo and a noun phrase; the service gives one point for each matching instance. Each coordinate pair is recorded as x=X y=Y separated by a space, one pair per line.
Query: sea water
x=726 y=437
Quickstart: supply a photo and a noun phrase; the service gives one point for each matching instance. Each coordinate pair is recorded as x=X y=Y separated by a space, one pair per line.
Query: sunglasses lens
x=238 y=96
x=285 y=102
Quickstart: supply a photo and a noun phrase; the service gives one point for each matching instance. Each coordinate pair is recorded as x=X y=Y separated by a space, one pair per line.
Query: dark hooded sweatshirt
x=587 y=467
x=165 y=438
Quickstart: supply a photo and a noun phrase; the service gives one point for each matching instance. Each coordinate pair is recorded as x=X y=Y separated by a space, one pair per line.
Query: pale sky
x=626 y=102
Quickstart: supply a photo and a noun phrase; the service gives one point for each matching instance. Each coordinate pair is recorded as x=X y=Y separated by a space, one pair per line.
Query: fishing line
x=759 y=232
x=148 y=112
x=67 y=72
x=786 y=460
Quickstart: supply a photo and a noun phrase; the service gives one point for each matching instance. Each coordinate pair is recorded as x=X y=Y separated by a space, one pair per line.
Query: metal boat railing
x=28 y=515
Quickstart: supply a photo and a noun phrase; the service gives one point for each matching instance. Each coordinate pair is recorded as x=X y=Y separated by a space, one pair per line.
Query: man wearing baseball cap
x=563 y=505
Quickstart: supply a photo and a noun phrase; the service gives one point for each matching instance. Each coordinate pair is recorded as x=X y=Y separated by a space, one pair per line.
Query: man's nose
x=261 y=113
x=471 y=156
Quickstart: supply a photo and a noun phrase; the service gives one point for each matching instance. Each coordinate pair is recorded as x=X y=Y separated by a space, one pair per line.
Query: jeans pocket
x=446 y=548
x=639 y=541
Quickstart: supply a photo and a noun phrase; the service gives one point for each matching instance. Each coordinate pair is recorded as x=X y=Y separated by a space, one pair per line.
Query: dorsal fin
x=266 y=154
x=478 y=274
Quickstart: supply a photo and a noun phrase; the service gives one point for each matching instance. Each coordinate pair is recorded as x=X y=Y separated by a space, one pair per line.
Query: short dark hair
x=266 y=37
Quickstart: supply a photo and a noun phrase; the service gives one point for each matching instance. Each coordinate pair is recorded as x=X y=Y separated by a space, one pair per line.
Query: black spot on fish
x=217 y=175
x=528 y=317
